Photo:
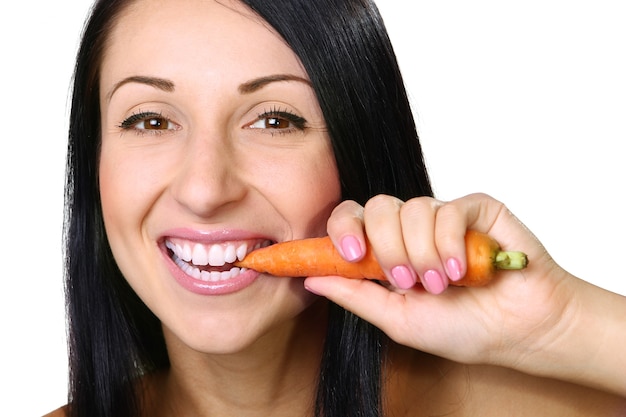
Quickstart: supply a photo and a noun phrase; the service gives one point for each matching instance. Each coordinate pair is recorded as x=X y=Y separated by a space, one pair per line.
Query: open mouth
x=210 y=262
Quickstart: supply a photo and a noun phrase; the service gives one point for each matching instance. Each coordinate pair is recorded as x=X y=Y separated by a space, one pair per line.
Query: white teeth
x=242 y=250
x=216 y=256
x=186 y=252
x=188 y=255
x=199 y=255
x=230 y=254
x=182 y=251
x=215 y=276
x=208 y=276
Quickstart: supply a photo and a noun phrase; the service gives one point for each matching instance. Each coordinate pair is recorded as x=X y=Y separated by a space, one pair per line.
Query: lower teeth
x=207 y=276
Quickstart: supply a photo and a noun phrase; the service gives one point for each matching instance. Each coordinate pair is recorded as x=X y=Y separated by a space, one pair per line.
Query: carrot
x=318 y=257
x=485 y=257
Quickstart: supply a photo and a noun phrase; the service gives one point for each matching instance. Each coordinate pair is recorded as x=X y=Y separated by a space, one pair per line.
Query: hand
x=506 y=322
x=423 y=239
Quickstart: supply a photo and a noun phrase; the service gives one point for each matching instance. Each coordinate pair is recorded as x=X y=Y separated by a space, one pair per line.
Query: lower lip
x=200 y=287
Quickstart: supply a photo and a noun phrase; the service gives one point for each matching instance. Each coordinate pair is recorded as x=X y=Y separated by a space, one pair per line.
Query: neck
x=274 y=377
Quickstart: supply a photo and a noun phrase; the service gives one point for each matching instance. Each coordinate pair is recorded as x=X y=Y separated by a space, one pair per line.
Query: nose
x=207 y=179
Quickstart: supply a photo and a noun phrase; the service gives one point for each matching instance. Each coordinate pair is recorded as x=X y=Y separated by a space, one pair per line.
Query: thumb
x=367 y=299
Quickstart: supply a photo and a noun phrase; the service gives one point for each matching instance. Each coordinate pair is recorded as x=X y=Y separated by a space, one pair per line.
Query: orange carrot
x=485 y=257
x=318 y=257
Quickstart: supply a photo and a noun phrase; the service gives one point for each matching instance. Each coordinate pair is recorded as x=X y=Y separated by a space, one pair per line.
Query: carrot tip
x=511 y=260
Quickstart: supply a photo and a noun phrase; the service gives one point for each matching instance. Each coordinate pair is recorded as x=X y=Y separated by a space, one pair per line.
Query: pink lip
x=213 y=236
x=200 y=287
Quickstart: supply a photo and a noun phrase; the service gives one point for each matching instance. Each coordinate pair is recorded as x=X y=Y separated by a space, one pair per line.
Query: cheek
x=127 y=188
x=116 y=192
x=129 y=182
x=111 y=196
x=323 y=194
x=117 y=210
x=310 y=192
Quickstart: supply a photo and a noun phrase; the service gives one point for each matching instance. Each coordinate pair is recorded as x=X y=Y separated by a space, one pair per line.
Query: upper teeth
x=209 y=254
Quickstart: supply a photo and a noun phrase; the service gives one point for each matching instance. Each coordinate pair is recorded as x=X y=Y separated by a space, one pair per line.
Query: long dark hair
x=113 y=336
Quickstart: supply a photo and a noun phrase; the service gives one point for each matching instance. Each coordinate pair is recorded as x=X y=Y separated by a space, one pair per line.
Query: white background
x=522 y=100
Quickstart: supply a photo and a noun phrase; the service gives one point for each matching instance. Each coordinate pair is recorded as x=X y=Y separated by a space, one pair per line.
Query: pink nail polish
x=351 y=248
x=454 y=269
x=433 y=282
x=402 y=276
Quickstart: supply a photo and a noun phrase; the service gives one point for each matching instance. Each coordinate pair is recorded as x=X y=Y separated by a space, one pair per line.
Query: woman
x=201 y=130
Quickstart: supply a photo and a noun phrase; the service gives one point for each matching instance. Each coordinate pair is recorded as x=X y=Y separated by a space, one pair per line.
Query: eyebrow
x=258 y=83
x=160 y=83
x=245 y=88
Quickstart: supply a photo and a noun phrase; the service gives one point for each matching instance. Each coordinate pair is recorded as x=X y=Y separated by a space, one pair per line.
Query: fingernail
x=454 y=269
x=311 y=290
x=351 y=248
x=402 y=277
x=433 y=282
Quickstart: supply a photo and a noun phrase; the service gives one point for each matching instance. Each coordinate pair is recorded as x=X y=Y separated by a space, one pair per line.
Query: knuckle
x=381 y=203
x=418 y=207
x=449 y=213
x=347 y=206
x=346 y=215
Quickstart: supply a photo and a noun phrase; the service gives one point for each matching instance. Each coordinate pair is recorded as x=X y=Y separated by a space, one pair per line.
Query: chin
x=233 y=331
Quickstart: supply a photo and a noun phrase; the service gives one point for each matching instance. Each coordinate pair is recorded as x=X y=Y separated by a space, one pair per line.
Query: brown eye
x=278 y=121
x=275 y=123
x=148 y=121
x=154 y=124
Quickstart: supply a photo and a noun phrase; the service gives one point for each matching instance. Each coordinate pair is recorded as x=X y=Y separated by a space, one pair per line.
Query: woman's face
x=212 y=143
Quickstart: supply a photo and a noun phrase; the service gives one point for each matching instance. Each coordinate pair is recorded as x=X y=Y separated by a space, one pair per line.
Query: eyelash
x=299 y=123
x=131 y=122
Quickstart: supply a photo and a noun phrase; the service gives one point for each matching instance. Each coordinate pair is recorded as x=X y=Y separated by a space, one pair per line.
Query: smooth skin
x=541 y=321
x=203 y=140
x=192 y=142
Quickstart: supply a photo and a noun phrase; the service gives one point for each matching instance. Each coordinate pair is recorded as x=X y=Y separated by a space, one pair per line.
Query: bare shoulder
x=59 y=412
x=425 y=385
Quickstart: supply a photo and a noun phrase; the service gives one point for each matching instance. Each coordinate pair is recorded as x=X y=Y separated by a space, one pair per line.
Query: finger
x=381 y=215
x=450 y=229
x=346 y=230
x=476 y=211
x=368 y=300
x=491 y=216
x=418 y=231
x=479 y=211
x=407 y=317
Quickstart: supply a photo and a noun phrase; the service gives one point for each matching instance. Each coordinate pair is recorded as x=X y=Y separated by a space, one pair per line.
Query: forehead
x=180 y=38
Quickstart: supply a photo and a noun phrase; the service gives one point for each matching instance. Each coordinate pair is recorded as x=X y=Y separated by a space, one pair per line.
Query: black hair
x=345 y=49
x=113 y=337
